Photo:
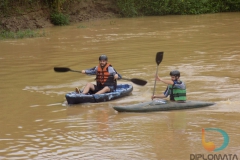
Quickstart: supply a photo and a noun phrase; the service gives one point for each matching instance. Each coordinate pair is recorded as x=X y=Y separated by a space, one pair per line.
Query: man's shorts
x=98 y=88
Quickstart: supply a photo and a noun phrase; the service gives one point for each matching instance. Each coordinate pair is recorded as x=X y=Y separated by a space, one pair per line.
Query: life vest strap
x=179 y=94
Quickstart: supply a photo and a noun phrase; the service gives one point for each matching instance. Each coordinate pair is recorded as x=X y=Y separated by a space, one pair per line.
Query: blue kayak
x=122 y=90
x=161 y=105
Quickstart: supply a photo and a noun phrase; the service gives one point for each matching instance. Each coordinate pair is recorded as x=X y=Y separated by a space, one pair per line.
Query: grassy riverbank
x=131 y=8
x=17 y=16
x=21 y=34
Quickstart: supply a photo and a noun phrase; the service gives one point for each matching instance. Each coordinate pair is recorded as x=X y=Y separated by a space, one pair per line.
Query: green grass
x=133 y=8
x=21 y=34
x=59 y=19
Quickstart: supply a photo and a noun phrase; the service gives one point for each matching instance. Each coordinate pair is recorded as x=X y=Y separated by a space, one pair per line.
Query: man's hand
x=116 y=76
x=158 y=78
x=153 y=97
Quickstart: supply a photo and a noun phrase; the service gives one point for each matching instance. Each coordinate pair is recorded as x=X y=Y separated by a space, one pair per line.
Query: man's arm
x=170 y=82
x=91 y=71
x=159 y=96
x=113 y=72
x=164 y=95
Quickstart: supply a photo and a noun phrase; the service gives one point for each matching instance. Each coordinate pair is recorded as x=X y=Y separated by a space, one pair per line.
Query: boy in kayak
x=106 y=78
x=176 y=88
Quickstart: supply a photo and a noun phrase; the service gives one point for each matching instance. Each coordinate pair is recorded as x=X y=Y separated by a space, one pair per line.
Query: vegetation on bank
x=131 y=8
x=10 y=7
x=127 y=8
x=6 y=6
x=21 y=34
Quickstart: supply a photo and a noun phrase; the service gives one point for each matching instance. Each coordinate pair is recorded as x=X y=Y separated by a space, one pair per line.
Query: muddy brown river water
x=36 y=123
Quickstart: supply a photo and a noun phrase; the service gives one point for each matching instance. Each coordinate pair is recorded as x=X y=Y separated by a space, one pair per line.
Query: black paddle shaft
x=134 y=80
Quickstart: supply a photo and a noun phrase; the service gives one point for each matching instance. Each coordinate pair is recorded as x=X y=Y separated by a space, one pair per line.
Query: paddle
x=134 y=80
x=137 y=81
x=159 y=57
x=64 y=69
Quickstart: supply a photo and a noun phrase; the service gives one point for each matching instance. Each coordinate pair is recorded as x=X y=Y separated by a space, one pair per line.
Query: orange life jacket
x=103 y=77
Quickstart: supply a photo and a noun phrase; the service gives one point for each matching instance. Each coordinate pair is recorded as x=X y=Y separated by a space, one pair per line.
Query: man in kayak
x=106 y=78
x=176 y=88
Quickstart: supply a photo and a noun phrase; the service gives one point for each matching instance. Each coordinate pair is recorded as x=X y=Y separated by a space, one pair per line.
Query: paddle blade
x=138 y=81
x=61 y=69
x=159 y=57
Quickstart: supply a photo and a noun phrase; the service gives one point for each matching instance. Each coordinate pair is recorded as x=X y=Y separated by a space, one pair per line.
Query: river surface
x=36 y=122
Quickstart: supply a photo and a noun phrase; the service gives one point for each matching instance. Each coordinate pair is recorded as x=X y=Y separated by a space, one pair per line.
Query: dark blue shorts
x=98 y=88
